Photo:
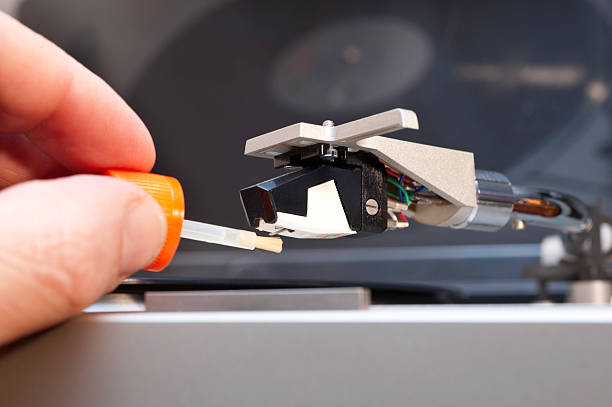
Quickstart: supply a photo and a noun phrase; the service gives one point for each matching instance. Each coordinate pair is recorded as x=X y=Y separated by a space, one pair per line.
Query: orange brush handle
x=167 y=191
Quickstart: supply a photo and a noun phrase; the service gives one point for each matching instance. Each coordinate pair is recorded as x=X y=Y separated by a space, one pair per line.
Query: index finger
x=64 y=109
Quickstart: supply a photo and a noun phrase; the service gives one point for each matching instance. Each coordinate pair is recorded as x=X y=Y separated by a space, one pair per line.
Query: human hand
x=64 y=242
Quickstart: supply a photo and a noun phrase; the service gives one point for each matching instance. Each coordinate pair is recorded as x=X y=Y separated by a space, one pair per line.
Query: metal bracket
x=300 y=135
x=448 y=173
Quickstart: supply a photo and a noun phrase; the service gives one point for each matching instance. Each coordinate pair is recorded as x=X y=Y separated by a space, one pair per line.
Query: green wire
x=397 y=184
x=392 y=195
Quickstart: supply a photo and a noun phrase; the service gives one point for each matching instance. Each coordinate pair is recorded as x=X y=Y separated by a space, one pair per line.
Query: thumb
x=66 y=242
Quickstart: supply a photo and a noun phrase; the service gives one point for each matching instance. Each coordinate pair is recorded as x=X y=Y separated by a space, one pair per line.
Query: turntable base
x=532 y=355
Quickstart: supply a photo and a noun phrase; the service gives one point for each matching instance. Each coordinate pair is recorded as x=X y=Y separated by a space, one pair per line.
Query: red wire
x=391 y=172
x=396 y=175
x=401 y=215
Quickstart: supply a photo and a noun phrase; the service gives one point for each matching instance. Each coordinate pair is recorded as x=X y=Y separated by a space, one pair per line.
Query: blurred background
x=522 y=84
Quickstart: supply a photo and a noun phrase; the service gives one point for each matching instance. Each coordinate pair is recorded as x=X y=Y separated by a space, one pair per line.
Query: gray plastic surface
x=413 y=356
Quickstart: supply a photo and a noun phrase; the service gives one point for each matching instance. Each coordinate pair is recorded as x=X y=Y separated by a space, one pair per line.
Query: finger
x=66 y=110
x=20 y=161
x=66 y=242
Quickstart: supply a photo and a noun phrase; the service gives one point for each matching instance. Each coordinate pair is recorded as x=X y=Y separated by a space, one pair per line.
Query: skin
x=66 y=239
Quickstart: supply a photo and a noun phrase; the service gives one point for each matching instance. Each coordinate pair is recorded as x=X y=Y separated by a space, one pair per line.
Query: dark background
x=522 y=84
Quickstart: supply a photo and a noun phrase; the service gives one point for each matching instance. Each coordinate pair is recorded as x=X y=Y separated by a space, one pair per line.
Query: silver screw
x=371 y=206
x=328 y=123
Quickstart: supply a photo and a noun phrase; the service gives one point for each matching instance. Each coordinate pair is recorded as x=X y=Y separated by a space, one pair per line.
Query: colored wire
x=391 y=172
x=401 y=187
x=397 y=175
x=401 y=193
x=392 y=195
x=401 y=215
x=423 y=188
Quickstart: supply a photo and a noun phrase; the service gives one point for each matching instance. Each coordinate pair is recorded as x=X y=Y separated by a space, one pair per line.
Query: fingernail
x=144 y=232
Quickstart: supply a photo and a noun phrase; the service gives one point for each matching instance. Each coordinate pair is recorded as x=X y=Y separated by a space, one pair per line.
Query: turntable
x=523 y=85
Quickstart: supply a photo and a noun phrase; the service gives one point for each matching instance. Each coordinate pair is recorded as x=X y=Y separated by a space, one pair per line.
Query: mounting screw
x=328 y=123
x=371 y=206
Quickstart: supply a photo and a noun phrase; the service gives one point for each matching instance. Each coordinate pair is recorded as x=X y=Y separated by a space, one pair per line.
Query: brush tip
x=271 y=244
